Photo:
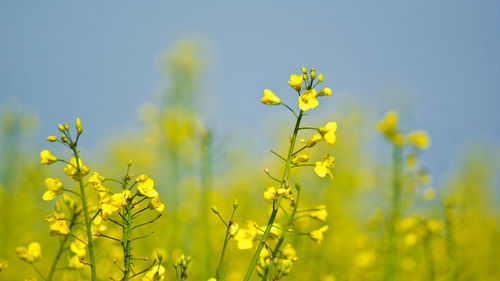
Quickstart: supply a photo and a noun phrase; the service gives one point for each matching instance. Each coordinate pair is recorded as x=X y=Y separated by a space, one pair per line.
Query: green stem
x=226 y=241
x=395 y=212
x=38 y=271
x=289 y=223
x=206 y=186
x=451 y=244
x=90 y=243
x=127 y=239
x=428 y=258
x=277 y=202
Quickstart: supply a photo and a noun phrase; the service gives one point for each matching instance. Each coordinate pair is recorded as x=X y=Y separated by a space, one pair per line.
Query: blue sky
x=98 y=60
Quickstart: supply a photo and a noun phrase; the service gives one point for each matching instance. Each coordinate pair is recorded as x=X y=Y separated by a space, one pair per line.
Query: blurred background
x=176 y=87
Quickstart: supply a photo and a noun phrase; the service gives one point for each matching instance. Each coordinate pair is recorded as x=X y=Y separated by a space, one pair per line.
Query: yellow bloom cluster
x=71 y=169
x=54 y=186
x=58 y=225
x=388 y=127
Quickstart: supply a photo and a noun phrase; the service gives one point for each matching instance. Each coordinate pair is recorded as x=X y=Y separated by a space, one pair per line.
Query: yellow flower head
x=157 y=273
x=156 y=204
x=270 y=98
x=322 y=167
x=419 y=139
x=317 y=235
x=328 y=132
x=3 y=265
x=308 y=100
x=54 y=186
x=71 y=169
x=320 y=213
x=296 y=81
x=313 y=140
x=55 y=216
x=46 y=157
x=78 y=248
x=145 y=185
x=300 y=158
x=272 y=193
x=245 y=237
x=233 y=229
x=96 y=181
x=59 y=227
x=387 y=126
x=325 y=92
x=31 y=254
x=75 y=262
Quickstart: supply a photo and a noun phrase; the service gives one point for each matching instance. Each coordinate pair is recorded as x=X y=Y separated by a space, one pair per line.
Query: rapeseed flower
x=419 y=139
x=75 y=262
x=270 y=98
x=319 y=214
x=78 y=247
x=296 y=81
x=317 y=235
x=246 y=236
x=96 y=180
x=47 y=158
x=156 y=204
x=328 y=132
x=322 y=167
x=3 y=265
x=308 y=100
x=325 y=92
x=31 y=254
x=71 y=171
x=54 y=186
x=313 y=140
x=300 y=158
x=273 y=194
x=145 y=186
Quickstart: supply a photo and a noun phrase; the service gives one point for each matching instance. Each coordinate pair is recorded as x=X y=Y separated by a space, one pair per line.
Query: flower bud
x=64 y=138
x=214 y=209
x=51 y=138
x=320 y=77
x=78 y=125
x=304 y=70
x=313 y=74
x=61 y=128
x=305 y=76
x=235 y=203
x=130 y=162
x=66 y=127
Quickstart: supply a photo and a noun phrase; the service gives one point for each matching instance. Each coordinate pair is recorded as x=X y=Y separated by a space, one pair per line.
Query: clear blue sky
x=97 y=59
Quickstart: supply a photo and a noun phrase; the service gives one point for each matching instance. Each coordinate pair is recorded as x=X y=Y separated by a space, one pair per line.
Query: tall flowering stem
x=88 y=222
x=395 y=211
x=277 y=202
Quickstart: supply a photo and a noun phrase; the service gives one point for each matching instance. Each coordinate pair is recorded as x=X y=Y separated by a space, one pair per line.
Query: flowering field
x=172 y=200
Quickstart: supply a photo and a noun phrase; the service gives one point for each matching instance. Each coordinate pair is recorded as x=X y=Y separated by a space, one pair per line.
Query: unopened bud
x=305 y=76
x=266 y=170
x=66 y=127
x=78 y=125
x=235 y=203
x=313 y=74
x=64 y=138
x=130 y=162
x=214 y=209
x=51 y=138
x=304 y=70
x=320 y=77
x=61 y=128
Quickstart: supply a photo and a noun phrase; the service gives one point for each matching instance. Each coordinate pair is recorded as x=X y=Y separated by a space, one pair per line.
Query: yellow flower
x=78 y=247
x=245 y=237
x=71 y=171
x=320 y=213
x=51 y=138
x=299 y=159
x=387 y=126
x=308 y=100
x=313 y=140
x=296 y=81
x=46 y=157
x=75 y=262
x=317 y=235
x=156 y=204
x=272 y=193
x=157 y=273
x=270 y=98
x=328 y=132
x=96 y=180
x=54 y=216
x=54 y=186
x=59 y=227
x=322 y=167
x=325 y=92
x=410 y=239
x=31 y=254
x=3 y=265
x=145 y=185
x=419 y=139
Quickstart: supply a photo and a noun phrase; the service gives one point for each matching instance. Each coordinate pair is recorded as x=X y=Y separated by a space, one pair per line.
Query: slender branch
x=281 y=157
